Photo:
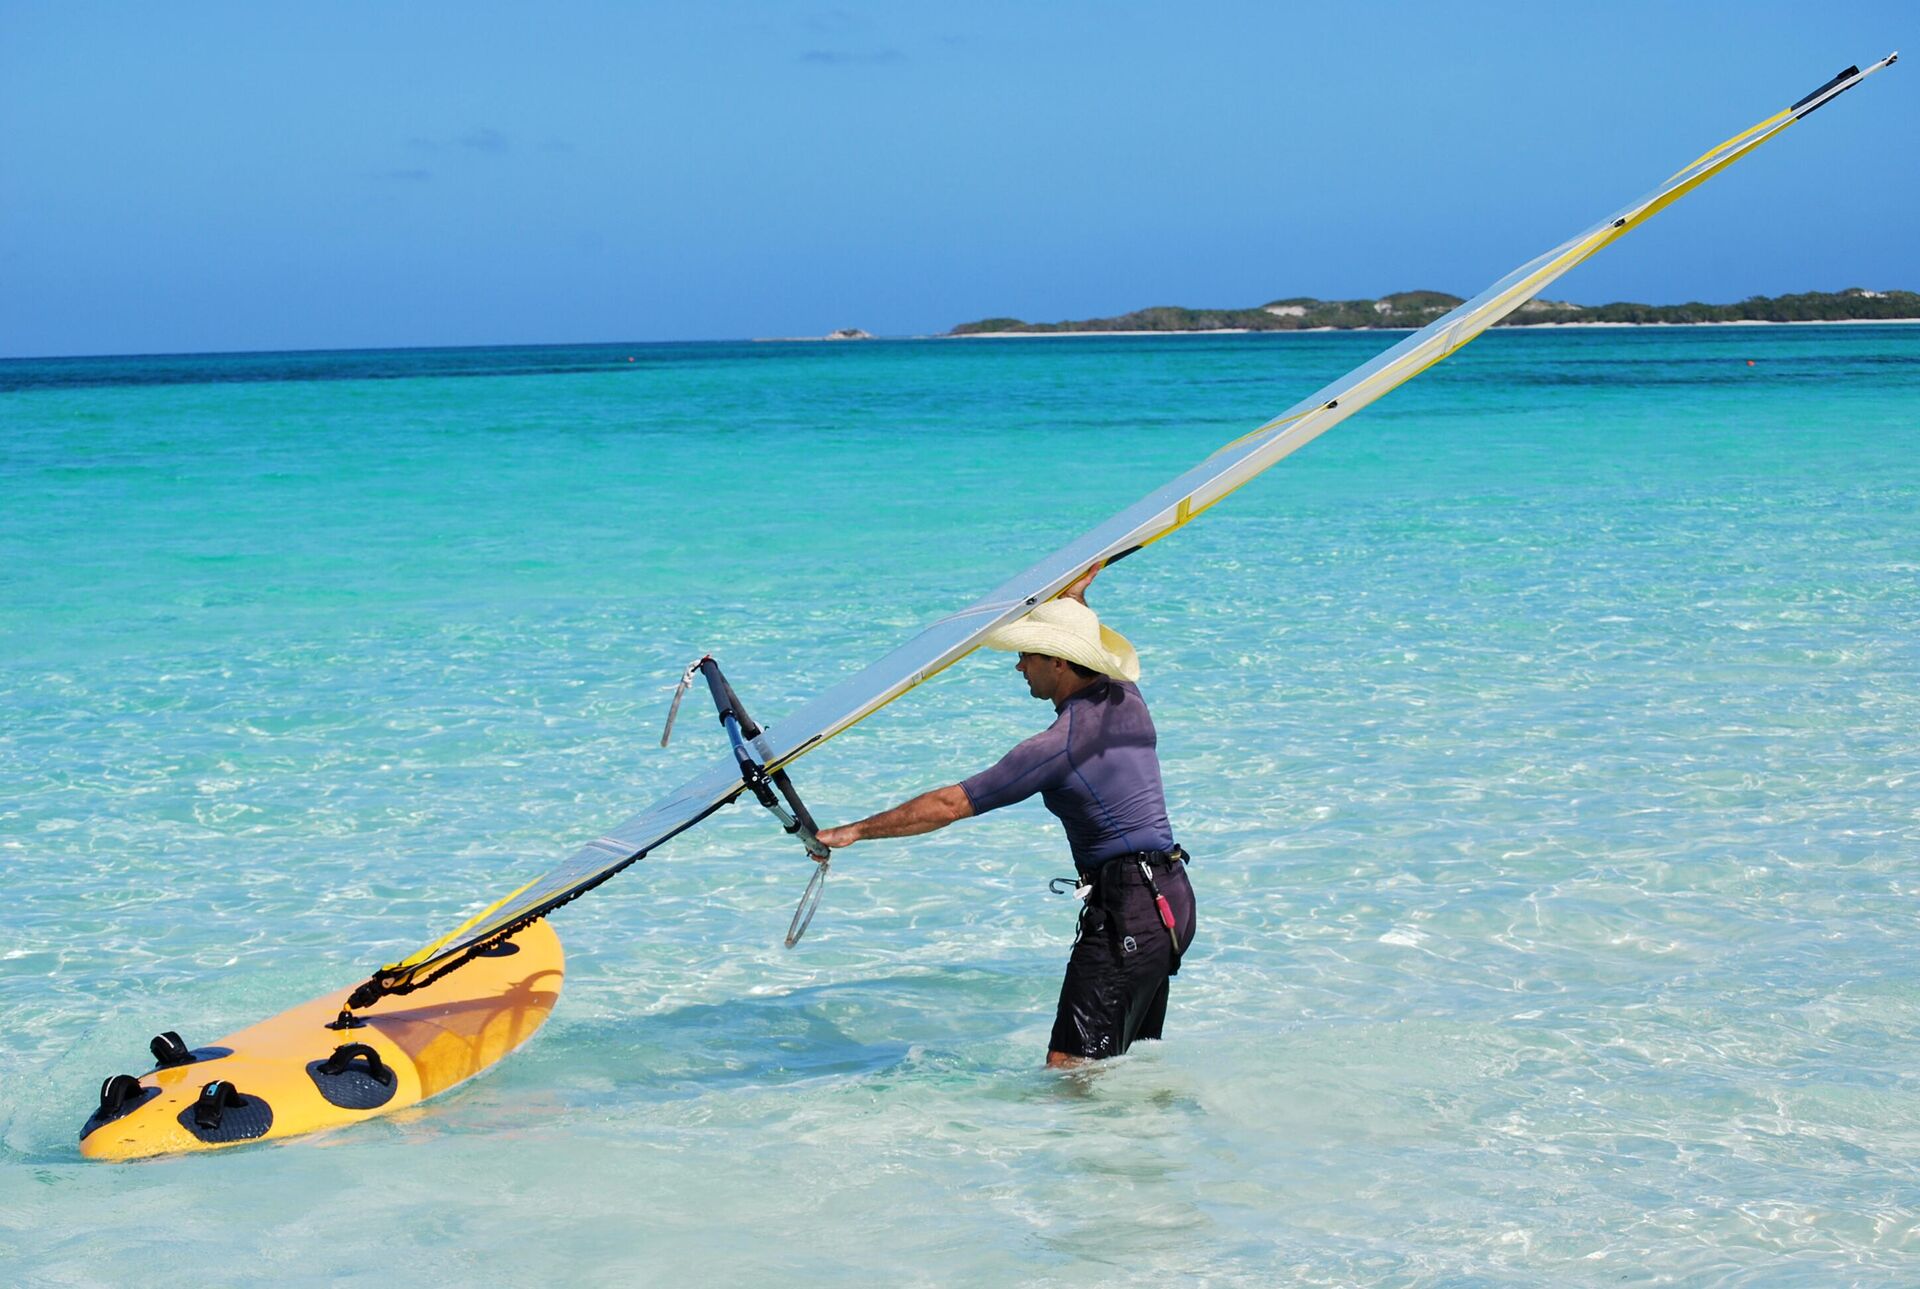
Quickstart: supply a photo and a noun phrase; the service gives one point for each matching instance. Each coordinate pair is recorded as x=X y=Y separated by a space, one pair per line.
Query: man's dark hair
x=1085 y=673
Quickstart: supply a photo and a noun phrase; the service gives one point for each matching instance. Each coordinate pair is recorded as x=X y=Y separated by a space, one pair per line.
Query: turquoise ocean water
x=1548 y=738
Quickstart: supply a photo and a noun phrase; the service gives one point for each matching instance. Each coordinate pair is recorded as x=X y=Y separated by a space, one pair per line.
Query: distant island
x=1407 y=309
x=843 y=333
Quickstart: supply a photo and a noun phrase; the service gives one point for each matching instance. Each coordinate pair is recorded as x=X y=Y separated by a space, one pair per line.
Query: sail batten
x=1160 y=513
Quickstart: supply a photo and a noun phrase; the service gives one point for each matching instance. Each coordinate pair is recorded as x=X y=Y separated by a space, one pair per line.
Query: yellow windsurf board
x=296 y=1074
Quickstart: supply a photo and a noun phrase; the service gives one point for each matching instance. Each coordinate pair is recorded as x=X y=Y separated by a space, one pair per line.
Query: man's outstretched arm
x=926 y=812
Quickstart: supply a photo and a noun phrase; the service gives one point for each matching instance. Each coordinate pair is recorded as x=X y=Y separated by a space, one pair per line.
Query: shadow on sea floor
x=853 y=1028
x=969 y=1024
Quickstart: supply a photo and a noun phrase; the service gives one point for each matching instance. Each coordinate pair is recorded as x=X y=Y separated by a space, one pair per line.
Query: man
x=1094 y=767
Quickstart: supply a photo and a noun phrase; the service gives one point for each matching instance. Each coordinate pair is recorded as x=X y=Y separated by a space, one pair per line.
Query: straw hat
x=1068 y=629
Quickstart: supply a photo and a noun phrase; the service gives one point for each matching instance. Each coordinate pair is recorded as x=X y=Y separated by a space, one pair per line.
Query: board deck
x=430 y=1040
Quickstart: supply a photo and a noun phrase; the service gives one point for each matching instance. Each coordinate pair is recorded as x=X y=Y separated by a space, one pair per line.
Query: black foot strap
x=168 y=1051
x=223 y=1114
x=120 y=1096
x=354 y=1077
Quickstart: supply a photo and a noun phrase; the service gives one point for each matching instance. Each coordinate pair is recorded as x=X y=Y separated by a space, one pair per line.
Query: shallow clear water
x=1548 y=737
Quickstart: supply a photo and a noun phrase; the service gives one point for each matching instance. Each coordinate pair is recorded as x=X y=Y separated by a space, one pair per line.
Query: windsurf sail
x=1164 y=511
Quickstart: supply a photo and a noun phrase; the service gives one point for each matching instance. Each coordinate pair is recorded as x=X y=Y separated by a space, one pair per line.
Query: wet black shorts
x=1116 y=985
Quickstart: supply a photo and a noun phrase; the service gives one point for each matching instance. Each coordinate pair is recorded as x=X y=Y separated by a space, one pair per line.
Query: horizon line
x=939 y=335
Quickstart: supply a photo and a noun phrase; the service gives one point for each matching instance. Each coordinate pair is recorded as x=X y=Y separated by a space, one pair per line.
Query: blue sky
x=181 y=178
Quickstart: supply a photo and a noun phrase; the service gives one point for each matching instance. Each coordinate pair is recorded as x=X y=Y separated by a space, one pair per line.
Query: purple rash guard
x=1095 y=768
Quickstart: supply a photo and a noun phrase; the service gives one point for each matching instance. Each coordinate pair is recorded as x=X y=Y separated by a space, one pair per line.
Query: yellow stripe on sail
x=426 y=952
x=1741 y=137
x=1274 y=424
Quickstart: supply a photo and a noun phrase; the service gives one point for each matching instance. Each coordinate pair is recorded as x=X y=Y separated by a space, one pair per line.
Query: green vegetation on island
x=1407 y=309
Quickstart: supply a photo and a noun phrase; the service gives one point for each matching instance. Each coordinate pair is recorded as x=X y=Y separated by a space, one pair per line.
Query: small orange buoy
x=1749 y=361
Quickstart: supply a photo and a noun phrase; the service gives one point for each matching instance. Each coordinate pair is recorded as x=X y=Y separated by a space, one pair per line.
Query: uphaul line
x=460 y=1003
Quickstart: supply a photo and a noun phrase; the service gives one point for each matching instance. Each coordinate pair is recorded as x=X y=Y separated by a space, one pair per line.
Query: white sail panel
x=1163 y=511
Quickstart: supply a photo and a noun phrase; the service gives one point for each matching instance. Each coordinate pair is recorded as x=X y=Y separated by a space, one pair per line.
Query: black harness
x=1091 y=888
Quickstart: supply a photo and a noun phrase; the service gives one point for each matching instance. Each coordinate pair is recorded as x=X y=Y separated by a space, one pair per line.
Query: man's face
x=1042 y=673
